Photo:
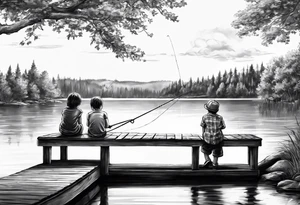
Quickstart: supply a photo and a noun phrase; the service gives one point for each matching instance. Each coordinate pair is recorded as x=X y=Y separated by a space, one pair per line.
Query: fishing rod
x=122 y=123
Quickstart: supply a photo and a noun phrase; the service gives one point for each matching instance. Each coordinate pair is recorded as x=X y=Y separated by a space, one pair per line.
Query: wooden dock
x=56 y=183
x=65 y=181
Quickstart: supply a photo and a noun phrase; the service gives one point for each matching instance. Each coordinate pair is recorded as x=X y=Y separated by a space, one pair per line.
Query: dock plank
x=170 y=136
x=138 y=136
x=178 y=136
x=148 y=136
x=122 y=135
x=130 y=135
x=160 y=136
x=111 y=136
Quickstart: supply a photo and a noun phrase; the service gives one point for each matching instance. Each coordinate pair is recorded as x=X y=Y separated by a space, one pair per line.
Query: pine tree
x=33 y=77
x=221 y=92
x=5 y=91
x=230 y=91
x=20 y=86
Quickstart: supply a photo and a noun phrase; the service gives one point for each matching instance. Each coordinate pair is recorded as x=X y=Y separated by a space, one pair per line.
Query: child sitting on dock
x=97 y=120
x=71 y=122
x=212 y=125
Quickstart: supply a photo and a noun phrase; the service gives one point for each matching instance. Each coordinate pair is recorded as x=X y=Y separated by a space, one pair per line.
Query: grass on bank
x=291 y=150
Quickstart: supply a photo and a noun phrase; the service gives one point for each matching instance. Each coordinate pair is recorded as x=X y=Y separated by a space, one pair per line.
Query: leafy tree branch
x=104 y=20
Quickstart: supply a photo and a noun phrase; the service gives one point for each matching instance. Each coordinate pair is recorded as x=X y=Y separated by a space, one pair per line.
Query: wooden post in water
x=104 y=163
x=195 y=158
x=253 y=157
x=47 y=154
x=64 y=153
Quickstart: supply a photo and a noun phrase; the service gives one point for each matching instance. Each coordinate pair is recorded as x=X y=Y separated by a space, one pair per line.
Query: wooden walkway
x=194 y=141
x=55 y=183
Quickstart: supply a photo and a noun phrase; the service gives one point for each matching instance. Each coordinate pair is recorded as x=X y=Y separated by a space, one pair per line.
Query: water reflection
x=278 y=109
x=103 y=195
x=210 y=195
x=251 y=193
x=204 y=194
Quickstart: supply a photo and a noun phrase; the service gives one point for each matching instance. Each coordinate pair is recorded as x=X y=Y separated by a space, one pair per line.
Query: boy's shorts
x=216 y=150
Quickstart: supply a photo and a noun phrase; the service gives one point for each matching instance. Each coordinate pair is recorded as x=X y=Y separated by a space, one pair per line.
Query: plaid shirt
x=213 y=125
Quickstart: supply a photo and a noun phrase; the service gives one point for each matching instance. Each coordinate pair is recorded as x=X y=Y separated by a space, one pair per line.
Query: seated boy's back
x=97 y=120
x=97 y=123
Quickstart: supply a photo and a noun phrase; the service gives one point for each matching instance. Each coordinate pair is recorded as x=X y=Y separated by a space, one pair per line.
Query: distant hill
x=111 y=88
x=115 y=84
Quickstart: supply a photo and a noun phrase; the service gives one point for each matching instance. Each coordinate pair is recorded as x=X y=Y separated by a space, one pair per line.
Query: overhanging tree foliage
x=273 y=19
x=104 y=20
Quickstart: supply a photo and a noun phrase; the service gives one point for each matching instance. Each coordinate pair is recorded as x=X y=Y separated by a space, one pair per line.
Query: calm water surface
x=20 y=126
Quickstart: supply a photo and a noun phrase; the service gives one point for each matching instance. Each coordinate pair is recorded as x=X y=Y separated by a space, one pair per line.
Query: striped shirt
x=213 y=125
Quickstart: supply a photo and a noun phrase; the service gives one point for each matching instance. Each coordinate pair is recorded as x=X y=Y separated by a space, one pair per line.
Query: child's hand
x=109 y=126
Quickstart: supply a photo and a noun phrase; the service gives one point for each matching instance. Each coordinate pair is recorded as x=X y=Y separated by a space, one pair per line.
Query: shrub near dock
x=284 y=166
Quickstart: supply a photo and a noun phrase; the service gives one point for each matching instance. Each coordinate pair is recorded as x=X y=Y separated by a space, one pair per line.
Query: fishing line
x=175 y=56
x=144 y=125
x=133 y=119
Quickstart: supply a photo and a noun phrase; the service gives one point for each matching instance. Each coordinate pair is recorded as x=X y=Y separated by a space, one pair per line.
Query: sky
x=203 y=39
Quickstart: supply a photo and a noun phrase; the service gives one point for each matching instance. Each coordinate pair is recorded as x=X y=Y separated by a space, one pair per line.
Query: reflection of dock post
x=104 y=163
x=195 y=158
x=103 y=195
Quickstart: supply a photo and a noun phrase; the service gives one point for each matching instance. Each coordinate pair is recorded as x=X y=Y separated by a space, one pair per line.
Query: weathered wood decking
x=55 y=183
x=59 y=182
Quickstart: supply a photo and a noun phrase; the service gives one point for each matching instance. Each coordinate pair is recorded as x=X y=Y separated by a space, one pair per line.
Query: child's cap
x=212 y=106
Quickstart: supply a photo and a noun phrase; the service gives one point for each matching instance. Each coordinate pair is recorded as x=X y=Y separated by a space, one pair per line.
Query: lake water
x=20 y=126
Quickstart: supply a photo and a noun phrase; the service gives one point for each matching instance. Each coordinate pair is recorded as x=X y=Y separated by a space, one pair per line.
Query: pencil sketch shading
x=111 y=102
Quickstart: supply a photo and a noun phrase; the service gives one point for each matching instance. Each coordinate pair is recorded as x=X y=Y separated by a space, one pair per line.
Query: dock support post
x=104 y=163
x=47 y=154
x=253 y=157
x=64 y=153
x=195 y=158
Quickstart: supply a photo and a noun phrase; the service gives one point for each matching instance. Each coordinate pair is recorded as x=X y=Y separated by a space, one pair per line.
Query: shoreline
x=29 y=102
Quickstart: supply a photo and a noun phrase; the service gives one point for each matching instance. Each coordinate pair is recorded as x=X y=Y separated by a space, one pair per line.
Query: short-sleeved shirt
x=96 y=121
x=71 y=121
x=213 y=124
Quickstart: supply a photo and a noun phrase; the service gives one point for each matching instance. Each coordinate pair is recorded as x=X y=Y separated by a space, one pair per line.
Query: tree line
x=232 y=84
x=29 y=85
x=280 y=79
x=89 y=88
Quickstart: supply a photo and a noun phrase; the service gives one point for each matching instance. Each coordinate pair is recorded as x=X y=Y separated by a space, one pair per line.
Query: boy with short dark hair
x=71 y=122
x=212 y=125
x=97 y=120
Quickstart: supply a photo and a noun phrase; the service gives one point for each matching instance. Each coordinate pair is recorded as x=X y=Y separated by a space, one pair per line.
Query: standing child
x=71 y=122
x=97 y=120
x=212 y=125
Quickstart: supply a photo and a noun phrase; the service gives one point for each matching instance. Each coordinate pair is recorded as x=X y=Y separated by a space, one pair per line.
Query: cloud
x=45 y=46
x=222 y=44
x=97 y=52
